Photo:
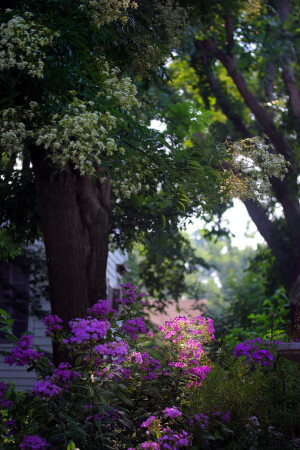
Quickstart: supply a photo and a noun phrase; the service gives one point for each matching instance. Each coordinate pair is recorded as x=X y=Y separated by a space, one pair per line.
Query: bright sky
x=239 y=223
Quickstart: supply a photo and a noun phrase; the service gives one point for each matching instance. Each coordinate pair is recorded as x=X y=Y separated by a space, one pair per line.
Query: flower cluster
x=14 y=131
x=80 y=135
x=46 y=388
x=114 y=350
x=132 y=327
x=253 y=163
x=34 y=442
x=150 y=366
x=53 y=324
x=87 y=330
x=4 y=403
x=148 y=422
x=172 y=412
x=23 y=354
x=106 y=11
x=255 y=351
x=202 y=420
x=21 y=44
x=54 y=384
x=130 y=295
x=102 y=308
x=170 y=439
x=187 y=336
x=83 y=133
x=180 y=328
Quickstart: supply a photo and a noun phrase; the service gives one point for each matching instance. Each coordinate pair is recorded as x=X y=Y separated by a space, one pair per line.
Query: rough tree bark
x=75 y=223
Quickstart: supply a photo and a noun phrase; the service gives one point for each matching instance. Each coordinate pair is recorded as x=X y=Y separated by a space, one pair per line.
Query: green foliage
x=270 y=395
x=161 y=265
x=238 y=405
x=8 y=249
x=254 y=303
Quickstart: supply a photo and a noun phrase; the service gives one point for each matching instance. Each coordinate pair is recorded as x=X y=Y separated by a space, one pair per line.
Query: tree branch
x=281 y=249
x=288 y=71
x=229 y=62
x=229 y=31
x=223 y=101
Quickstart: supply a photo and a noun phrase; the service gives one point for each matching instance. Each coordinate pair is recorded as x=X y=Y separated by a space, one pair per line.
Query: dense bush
x=124 y=387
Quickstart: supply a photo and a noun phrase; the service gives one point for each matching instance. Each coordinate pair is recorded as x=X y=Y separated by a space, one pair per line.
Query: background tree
x=241 y=61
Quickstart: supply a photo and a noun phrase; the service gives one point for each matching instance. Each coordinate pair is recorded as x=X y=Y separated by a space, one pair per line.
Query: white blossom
x=21 y=44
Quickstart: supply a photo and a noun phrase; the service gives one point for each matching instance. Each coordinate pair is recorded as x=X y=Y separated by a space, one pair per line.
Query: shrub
x=128 y=388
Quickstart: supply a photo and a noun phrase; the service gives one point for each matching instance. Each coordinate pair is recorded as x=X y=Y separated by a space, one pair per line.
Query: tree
x=241 y=61
x=78 y=162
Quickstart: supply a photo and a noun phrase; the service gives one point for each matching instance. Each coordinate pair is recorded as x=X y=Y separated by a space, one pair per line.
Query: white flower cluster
x=83 y=134
x=21 y=45
x=172 y=17
x=131 y=179
x=253 y=163
x=123 y=91
x=13 y=130
x=120 y=90
x=79 y=136
x=106 y=11
x=127 y=187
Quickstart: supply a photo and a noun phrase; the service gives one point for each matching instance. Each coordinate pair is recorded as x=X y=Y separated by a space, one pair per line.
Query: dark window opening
x=14 y=296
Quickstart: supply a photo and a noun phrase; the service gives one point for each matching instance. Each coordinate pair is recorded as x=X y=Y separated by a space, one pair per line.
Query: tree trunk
x=75 y=223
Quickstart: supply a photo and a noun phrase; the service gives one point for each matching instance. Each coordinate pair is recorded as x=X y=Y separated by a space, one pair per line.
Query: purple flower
x=52 y=385
x=3 y=402
x=173 y=440
x=133 y=327
x=11 y=425
x=226 y=417
x=150 y=445
x=116 y=350
x=136 y=357
x=130 y=295
x=101 y=308
x=52 y=323
x=46 y=389
x=23 y=354
x=202 y=420
x=33 y=442
x=150 y=366
x=147 y=423
x=86 y=330
x=172 y=412
x=254 y=351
